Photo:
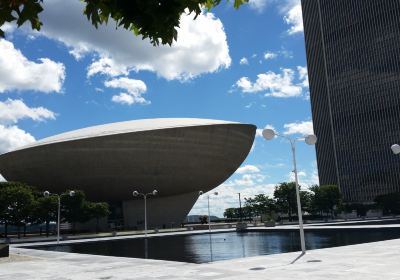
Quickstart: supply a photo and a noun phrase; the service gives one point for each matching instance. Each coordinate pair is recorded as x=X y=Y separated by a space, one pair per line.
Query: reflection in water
x=243 y=246
x=221 y=246
x=211 y=253
x=146 y=248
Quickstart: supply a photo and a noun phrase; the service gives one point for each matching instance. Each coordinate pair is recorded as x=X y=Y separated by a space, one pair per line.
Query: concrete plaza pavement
x=376 y=260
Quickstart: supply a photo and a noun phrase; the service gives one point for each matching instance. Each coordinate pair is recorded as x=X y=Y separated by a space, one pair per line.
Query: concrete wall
x=161 y=211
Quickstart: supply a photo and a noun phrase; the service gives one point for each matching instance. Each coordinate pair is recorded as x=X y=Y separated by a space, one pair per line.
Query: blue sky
x=247 y=66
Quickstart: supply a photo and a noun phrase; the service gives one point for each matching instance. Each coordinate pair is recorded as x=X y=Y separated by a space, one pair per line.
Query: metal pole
x=209 y=220
x=145 y=215
x=58 y=219
x=299 y=214
x=240 y=207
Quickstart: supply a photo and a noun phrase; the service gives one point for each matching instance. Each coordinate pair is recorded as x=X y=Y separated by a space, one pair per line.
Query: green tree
x=261 y=204
x=74 y=208
x=46 y=210
x=285 y=197
x=326 y=199
x=389 y=203
x=231 y=213
x=157 y=20
x=97 y=210
x=17 y=201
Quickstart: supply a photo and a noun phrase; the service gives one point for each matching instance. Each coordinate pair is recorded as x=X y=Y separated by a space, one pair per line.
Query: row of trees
x=320 y=200
x=22 y=205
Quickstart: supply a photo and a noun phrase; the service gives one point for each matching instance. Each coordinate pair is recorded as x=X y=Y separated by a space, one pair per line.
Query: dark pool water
x=201 y=248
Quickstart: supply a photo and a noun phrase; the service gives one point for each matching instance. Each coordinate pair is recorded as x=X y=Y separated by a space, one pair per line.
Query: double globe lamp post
x=47 y=194
x=208 y=205
x=144 y=195
x=269 y=134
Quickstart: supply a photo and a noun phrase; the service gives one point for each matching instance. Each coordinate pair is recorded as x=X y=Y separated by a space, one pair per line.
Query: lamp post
x=135 y=194
x=311 y=139
x=208 y=205
x=47 y=194
x=240 y=207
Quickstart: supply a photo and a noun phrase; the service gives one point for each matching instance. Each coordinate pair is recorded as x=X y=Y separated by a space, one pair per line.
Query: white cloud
x=288 y=83
x=293 y=17
x=248 y=180
x=12 y=137
x=134 y=90
x=259 y=5
x=270 y=55
x=248 y=168
x=306 y=179
x=19 y=73
x=303 y=75
x=260 y=130
x=304 y=128
x=201 y=47
x=107 y=67
x=243 y=61
x=8 y=27
x=228 y=197
x=13 y=110
x=275 y=84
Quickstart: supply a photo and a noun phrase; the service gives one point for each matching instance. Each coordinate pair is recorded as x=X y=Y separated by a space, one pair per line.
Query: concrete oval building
x=178 y=157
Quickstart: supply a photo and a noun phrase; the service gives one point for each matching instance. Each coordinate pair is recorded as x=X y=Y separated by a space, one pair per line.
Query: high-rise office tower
x=353 y=59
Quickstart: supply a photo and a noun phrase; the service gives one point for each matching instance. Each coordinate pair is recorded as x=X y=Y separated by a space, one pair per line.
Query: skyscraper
x=353 y=59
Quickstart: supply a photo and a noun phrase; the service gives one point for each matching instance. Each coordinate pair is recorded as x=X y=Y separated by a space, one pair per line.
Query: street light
x=135 y=194
x=208 y=204
x=47 y=194
x=395 y=149
x=311 y=139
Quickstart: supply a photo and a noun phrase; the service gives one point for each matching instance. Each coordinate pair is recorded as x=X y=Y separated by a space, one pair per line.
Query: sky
x=245 y=65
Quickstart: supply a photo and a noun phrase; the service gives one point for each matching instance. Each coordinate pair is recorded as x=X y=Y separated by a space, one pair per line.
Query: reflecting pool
x=201 y=248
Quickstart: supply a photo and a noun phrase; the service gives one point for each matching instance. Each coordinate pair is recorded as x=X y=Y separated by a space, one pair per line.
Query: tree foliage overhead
x=157 y=20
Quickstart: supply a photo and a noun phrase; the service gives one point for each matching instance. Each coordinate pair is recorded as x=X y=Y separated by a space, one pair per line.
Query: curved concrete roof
x=176 y=155
x=125 y=127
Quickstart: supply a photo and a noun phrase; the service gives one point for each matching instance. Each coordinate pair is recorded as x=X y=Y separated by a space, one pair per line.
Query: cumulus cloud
x=13 y=110
x=303 y=128
x=201 y=47
x=293 y=17
x=288 y=83
x=250 y=183
x=303 y=75
x=259 y=5
x=249 y=180
x=12 y=137
x=306 y=179
x=107 y=67
x=228 y=197
x=19 y=73
x=243 y=61
x=134 y=89
x=270 y=55
x=248 y=168
x=274 y=84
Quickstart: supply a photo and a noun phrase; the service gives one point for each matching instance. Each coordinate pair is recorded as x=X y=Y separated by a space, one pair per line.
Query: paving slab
x=376 y=260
